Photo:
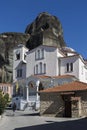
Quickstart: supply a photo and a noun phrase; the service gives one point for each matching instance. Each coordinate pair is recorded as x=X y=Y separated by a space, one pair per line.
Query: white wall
x=63 y=68
x=50 y=59
x=82 y=71
x=54 y=64
x=78 y=67
x=21 y=63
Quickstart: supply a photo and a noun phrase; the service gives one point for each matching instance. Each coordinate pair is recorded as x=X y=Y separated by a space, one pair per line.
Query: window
x=40 y=68
x=35 y=55
x=44 y=68
x=7 y=88
x=18 y=56
x=38 y=54
x=36 y=69
x=69 y=67
x=19 y=73
x=42 y=53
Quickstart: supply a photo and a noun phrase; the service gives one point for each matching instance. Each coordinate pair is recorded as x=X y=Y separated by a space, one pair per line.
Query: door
x=67 y=109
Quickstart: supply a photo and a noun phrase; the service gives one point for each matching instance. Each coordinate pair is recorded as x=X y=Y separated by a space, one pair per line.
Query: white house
x=46 y=61
x=19 y=61
x=43 y=60
x=74 y=65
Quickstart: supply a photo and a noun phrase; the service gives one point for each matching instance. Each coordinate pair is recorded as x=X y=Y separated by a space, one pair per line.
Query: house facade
x=74 y=65
x=44 y=61
x=67 y=100
x=39 y=63
x=6 y=88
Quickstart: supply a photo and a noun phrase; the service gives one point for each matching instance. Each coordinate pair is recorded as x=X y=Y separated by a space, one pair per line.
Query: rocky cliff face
x=7 y=43
x=45 y=29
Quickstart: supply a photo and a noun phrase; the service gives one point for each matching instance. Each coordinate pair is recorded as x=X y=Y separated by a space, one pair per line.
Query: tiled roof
x=73 y=86
x=61 y=76
x=41 y=76
x=71 y=56
x=5 y=84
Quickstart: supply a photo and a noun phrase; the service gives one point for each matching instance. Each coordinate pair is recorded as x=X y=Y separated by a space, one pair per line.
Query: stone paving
x=30 y=120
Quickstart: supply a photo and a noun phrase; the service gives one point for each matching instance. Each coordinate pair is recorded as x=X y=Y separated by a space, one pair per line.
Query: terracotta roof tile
x=61 y=76
x=73 y=86
x=5 y=84
x=41 y=76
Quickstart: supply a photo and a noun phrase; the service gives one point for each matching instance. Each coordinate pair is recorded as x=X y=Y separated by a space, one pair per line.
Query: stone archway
x=32 y=88
x=40 y=86
x=68 y=111
x=66 y=96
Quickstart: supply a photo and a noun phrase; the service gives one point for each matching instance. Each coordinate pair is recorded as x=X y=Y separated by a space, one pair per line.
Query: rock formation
x=44 y=30
x=7 y=43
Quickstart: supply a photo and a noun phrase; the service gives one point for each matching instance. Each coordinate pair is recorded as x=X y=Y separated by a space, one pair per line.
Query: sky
x=15 y=15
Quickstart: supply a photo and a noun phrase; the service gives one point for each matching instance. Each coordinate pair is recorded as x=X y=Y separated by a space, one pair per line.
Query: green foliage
x=2 y=103
x=6 y=97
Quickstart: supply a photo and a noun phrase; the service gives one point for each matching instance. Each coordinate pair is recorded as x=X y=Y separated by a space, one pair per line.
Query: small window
x=18 y=56
x=40 y=68
x=35 y=55
x=71 y=66
x=7 y=88
x=38 y=54
x=19 y=73
x=36 y=69
x=42 y=53
x=44 y=68
x=67 y=67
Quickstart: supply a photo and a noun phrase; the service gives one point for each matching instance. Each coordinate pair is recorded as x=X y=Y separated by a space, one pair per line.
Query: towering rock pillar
x=45 y=30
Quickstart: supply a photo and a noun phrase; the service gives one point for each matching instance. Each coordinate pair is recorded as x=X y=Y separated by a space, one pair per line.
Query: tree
x=2 y=103
x=6 y=97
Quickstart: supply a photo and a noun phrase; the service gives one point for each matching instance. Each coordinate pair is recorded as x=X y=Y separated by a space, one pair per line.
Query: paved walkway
x=24 y=120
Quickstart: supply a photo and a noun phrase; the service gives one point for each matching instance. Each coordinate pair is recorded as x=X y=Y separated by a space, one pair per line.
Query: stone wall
x=83 y=108
x=51 y=104
x=75 y=109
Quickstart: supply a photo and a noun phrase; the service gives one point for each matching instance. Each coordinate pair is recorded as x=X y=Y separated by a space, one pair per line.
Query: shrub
x=2 y=103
